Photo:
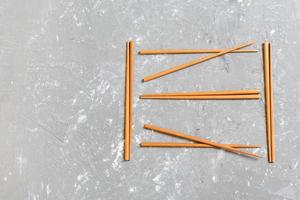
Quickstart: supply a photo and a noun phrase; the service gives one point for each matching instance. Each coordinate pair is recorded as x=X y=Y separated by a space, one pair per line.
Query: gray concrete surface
x=62 y=97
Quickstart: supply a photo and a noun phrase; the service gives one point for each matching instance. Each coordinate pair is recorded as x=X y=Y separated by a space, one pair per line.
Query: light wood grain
x=205 y=93
x=208 y=97
x=267 y=97
x=191 y=51
x=126 y=129
x=131 y=92
x=192 y=145
x=272 y=121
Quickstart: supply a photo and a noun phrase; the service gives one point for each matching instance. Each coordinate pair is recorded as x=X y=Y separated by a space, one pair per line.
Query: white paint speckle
x=48 y=190
x=272 y=32
x=157 y=188
x=74 y=101
x=132 y=189
x=157 y=180
x=118 y=151
x=81 y=119
x=21 y=162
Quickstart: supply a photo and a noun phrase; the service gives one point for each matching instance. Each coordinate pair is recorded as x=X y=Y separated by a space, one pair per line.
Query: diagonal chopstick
x=198 y=139
x=194 y=62
x=191 y=51
x=192 y=145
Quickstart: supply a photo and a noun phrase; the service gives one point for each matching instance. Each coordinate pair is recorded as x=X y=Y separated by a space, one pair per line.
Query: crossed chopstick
x=197 y=61
x=201 y=142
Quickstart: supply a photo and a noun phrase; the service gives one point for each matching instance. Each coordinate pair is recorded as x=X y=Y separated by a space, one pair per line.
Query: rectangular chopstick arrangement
x=192 y=145
x=206 y=93
x=199 y=140
x=191 y=51
x=128 y=99
x=194 y=62
x=267 y=54
x=205 y=97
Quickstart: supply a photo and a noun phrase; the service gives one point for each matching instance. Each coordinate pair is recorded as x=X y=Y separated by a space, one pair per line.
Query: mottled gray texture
x=62 y=99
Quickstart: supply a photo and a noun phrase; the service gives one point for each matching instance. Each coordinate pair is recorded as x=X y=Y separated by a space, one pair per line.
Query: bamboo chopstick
x=272 y=122
x=206 y=93
x=191 y=51
x=268 y=99
x=198 y=139
x=208 y=97
x=131 y=87
x=126 y=129
x=192 y=145
x=194 y=62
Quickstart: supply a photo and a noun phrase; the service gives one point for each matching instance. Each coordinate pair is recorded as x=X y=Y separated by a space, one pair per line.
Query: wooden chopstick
x=194 y=62
x=191 y=51
x=208 y=97
x=126 y=129
x=268 y=98
x=192 y=145
x=198 y=139
x=272 y=122
x=131 y=88
x=206 y=93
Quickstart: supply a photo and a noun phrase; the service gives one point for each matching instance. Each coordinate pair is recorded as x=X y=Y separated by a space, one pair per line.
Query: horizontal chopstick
x=193 y=145
x=194 y=62
x=206 y=93
x=191 y=51
x=208 y=97
x=198 y=139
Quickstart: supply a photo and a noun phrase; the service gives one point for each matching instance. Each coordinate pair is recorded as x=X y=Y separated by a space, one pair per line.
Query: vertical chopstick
x=191 y=51
x=210 y=97
x=206 y=93
x=126 y=129
x=267 y=98
x=192 y=145
x=194 y=62
x=197 y=139
x=271 y=107
x=131 y=87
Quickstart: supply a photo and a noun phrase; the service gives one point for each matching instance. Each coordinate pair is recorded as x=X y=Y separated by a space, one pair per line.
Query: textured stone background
x=62 y=99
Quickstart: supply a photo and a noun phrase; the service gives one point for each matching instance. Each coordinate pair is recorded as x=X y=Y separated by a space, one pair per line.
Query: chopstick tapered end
x=147 y=126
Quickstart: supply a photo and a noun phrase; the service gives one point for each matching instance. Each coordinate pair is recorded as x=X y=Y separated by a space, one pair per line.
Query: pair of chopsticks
x=267 y=54
x=194 y=62
x=200 y=142
x=209 y=95
x=128 y=99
